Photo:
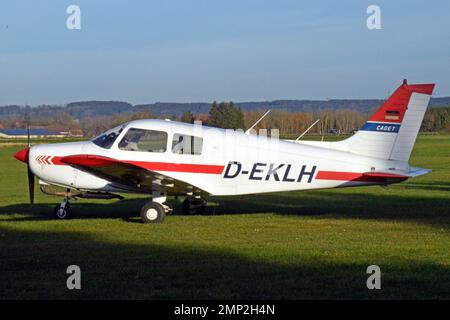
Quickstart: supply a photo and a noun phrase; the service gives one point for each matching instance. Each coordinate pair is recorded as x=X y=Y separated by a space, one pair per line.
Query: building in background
x=34 y=133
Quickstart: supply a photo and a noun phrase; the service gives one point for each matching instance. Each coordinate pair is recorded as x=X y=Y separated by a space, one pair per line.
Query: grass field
x=298 y=245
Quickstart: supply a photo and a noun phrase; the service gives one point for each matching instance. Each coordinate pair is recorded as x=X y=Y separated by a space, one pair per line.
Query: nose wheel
x=63 y=211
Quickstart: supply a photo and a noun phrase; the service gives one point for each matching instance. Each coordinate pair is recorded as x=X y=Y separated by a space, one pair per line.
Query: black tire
x=153 y=212
x=63 y=213
x=201 y=209
x=193 y=207
x=186 y=207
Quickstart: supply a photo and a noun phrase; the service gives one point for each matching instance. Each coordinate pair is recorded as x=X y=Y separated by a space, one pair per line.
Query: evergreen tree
x=187 y=117
x=226 y=115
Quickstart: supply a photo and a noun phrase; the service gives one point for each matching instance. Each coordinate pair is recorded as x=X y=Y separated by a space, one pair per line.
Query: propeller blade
x=28 y=134
x=30 y=184
x=24 y=157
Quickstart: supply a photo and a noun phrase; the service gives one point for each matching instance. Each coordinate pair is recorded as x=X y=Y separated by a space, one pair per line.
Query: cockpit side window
x=107 y=139
x=186 y=144
x=144 y=140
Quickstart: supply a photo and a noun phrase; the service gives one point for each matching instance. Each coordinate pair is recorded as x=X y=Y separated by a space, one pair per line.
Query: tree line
x=230 y=115
x=343 y=121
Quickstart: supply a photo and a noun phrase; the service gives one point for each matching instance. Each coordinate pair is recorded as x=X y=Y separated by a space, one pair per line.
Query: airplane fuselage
x=230 y=163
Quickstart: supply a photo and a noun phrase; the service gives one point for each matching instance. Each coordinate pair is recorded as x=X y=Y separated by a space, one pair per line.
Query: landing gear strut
x=193 y=206
x=156 y=210
x=63 y=211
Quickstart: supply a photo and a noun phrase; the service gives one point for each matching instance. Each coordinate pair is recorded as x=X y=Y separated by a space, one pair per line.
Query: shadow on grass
x=426 y=209
x=429 y=186
x=124 y=209
x=386 y=205
x=33 y=266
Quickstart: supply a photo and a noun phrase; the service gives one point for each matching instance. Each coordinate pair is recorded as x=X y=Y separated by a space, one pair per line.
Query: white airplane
x=166 y=158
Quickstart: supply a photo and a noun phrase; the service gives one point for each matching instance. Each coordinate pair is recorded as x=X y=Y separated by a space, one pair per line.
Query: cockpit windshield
x=106 y=139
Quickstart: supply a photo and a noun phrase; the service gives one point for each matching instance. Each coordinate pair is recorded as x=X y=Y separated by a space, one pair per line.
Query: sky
x=199 y=51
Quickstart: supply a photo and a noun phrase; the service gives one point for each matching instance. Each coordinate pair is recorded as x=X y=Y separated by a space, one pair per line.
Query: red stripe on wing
x=57 y=161
x=179 y=167
x=99 y=161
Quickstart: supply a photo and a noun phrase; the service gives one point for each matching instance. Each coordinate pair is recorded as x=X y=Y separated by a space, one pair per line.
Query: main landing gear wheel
x=63 y=211
x=153 y=212
x=193 y=206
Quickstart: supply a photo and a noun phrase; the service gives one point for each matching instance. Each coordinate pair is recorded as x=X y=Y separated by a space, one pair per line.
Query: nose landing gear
x=63 y=210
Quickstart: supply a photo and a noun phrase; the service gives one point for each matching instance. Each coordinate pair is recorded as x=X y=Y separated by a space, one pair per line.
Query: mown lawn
x=294 y=245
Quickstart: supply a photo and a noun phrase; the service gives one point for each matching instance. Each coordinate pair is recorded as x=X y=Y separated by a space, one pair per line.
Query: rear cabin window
x=144 y=140
x=185 y=144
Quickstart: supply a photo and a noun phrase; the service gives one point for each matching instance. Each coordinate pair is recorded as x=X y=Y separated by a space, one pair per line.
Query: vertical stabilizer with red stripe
x=392 y=130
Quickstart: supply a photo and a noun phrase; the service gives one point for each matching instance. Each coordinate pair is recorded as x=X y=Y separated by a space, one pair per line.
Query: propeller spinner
x=22 y=155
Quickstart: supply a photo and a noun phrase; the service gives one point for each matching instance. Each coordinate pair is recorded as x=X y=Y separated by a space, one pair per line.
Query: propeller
x=30 y=173
x=23 y=155
x=30 y=184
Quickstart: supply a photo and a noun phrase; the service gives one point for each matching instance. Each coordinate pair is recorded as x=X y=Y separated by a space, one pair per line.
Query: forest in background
x=90 y=120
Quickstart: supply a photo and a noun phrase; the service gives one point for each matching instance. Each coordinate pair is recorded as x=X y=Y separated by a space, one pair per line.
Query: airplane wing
x=129 y=175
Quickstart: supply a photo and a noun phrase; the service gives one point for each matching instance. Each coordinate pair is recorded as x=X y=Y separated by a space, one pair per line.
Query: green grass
x=295 y=245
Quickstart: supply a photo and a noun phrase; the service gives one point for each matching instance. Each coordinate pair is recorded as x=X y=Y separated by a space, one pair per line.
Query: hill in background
x=89 y=109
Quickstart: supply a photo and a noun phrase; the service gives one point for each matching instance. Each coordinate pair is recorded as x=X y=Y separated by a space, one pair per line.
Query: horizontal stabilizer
x=415 y=172
x=384 y=177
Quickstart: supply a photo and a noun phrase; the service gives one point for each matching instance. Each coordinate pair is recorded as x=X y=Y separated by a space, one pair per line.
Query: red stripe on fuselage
x=337 y=175
x=93 y=161
x=358 y=176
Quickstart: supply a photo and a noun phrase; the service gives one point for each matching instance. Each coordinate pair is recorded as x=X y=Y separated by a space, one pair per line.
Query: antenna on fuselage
x=309 y=128
x=259 y=120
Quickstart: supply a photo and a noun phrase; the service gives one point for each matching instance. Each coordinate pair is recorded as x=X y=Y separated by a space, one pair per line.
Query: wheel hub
x=61 y=213
x=151 y=214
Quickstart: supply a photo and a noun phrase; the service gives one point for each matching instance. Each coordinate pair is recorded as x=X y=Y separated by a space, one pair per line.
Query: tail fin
x=391 y=132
